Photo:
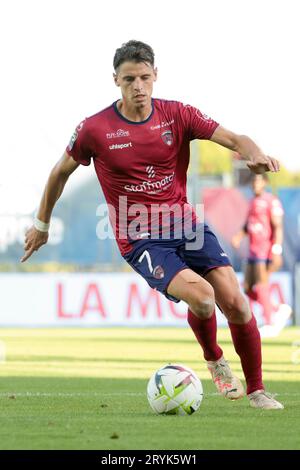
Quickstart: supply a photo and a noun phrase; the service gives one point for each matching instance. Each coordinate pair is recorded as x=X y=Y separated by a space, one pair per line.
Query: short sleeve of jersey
x=197 y=124
x=276 y=208
x=80 y=145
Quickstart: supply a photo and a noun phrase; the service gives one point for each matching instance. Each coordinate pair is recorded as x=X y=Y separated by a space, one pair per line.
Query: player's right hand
x=262 y=163
x=34 y=239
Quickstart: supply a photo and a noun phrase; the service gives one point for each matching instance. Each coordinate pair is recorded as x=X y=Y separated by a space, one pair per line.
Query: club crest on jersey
x=167 y=137
x=158 y=272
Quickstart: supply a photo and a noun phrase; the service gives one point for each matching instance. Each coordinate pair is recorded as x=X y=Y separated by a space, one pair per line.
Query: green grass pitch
x=86 y=389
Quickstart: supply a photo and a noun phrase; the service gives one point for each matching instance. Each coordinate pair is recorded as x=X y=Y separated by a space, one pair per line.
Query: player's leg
x=201 y=261
x=244 y=332
x=199 y=295
x=195 y=291
x=257 y=287
x=274 y=264
x=275 y=317
x=249 y=281
x=190 y=287
x=164 y=270
x=262 y=289
x=241 y=322
x=228 y=294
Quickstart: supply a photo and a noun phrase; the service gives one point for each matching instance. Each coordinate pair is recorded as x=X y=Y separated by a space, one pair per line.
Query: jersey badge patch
x=158 y=272
x=167 y=137
x=75 y=135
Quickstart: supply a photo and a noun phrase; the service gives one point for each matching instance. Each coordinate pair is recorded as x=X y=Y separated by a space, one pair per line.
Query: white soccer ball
x=174 y=389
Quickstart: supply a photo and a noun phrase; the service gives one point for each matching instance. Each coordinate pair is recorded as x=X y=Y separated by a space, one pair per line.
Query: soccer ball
x=174 y=390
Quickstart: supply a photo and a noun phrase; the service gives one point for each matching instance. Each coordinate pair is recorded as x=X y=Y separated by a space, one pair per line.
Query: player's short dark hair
x=133 y=51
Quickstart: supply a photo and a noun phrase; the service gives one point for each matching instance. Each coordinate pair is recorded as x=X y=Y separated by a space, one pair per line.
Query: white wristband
x=276 y=249
x=41 y=226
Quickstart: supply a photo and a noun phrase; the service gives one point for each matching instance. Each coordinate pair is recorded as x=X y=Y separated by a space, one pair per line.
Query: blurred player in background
x=140 y=150
x=264 y=228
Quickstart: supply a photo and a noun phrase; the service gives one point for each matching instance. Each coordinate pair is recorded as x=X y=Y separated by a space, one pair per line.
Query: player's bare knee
x=203 y=304
x=236 y=309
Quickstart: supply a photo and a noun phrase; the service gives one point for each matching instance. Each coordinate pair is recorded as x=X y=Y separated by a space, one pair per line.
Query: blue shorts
x=158 y=260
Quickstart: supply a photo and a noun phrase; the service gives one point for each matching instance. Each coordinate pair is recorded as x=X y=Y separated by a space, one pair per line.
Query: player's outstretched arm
x=37 y=235
x=258 y=161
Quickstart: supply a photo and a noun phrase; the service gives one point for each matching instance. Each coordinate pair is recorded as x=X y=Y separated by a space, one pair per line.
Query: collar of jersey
x=133 y=122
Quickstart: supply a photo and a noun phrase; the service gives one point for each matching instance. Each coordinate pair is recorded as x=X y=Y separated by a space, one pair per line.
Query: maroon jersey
x=140 y=162
x=259 y=227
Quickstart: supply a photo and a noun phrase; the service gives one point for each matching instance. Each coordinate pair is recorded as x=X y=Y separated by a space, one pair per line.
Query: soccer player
x=140 y=149
x=264 y=228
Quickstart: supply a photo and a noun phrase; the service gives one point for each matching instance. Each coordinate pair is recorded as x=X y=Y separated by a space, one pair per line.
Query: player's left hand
x=262 y=163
